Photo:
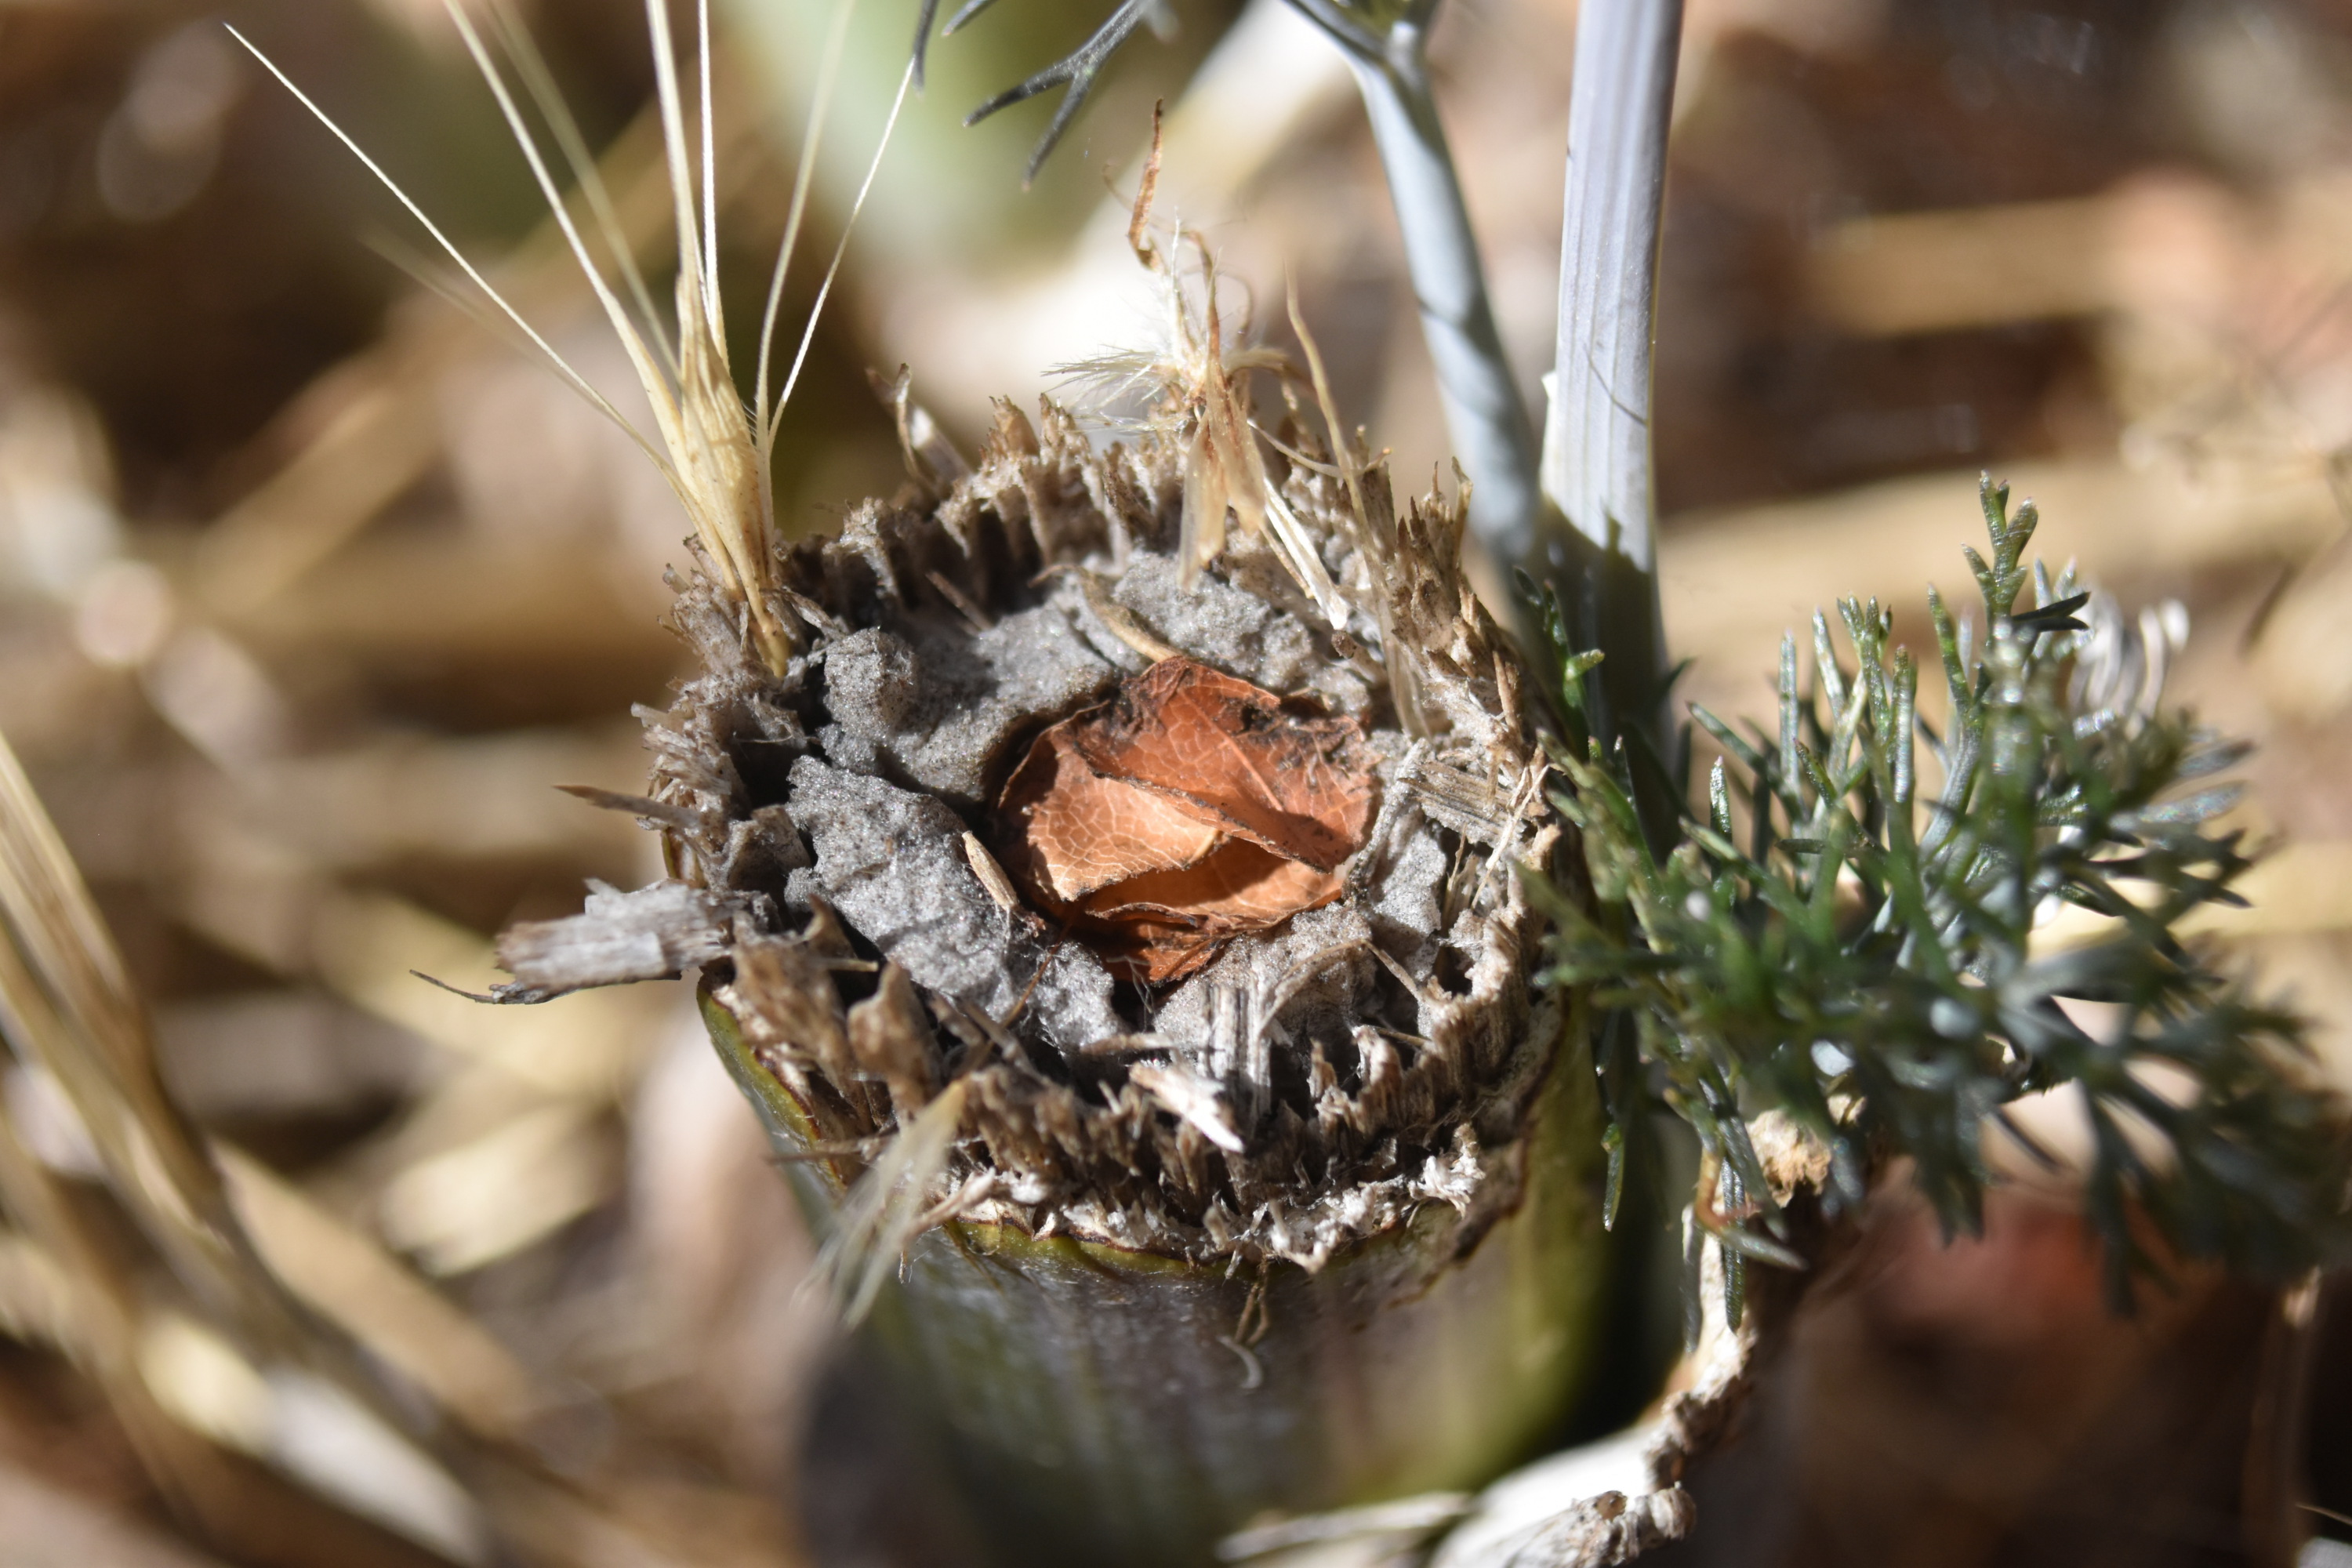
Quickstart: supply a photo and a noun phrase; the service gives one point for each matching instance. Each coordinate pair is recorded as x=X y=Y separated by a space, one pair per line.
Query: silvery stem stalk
x=1483 y=412
x=1488 y=424
x=1597 y=443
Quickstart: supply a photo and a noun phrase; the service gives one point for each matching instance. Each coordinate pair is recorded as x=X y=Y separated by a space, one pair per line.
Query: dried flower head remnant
x=1316 y=1076
x=1190 y=809
x=1245 y=1066
x=1349 y=1035
x=1353 y=1032
x=1153 y=1098
x=822 y=786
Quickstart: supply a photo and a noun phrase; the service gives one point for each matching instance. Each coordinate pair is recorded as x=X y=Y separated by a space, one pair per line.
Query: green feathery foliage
x=1837 y=939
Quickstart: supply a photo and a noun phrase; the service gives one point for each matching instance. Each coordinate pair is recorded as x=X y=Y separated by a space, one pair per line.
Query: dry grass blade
x=563 y=367
x=97 y=1323
x=715 y=457
x=66 y=1005
x=263 y=1258
x=711 y=460
x=355 y=1282
x=377 y=422
x=890 y=1205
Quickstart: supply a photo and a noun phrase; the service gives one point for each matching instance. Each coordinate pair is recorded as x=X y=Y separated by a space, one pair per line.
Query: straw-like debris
x=1246 y=1067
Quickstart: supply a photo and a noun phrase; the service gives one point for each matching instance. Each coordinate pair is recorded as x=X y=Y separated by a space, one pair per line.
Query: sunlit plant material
x=1385 y=43
x=1845 y=939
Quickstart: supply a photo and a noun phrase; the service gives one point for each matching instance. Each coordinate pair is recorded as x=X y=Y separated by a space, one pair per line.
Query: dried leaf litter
x=859 y=873
x=1189 y=809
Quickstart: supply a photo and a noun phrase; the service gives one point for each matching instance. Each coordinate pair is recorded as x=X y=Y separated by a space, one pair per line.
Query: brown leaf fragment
x=786 y=998
x=1158 y=952
x=1302 y=787
x=1081 y=831
x=1190 y=809
x=1241 y=886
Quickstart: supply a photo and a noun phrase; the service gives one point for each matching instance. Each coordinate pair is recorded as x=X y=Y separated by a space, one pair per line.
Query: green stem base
x=1099 y=1409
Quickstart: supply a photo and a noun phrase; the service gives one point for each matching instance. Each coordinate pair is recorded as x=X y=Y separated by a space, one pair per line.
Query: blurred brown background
x=312 y=585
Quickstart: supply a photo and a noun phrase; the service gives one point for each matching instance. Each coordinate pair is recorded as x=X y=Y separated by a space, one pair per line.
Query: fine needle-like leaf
x=804 y=179
x=562 y=366
x=1074 y=73
x=1887 y=988
x=714 y=455
x=538 y=82
x=832 y=269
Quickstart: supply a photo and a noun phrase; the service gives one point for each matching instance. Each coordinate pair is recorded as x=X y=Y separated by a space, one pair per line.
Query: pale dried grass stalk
x=67 y=1004
x=716 y=458
x=68 y=1007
